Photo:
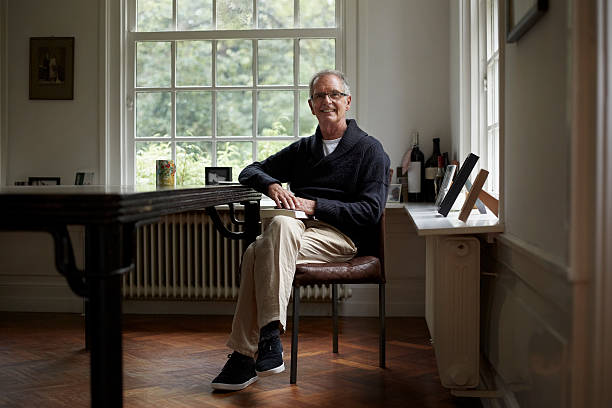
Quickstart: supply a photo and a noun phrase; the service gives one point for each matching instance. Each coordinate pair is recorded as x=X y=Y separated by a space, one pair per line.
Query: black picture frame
x=43 y=181
x=52 y=68
x=217 y=175
x=458 y=183
x=521 y=15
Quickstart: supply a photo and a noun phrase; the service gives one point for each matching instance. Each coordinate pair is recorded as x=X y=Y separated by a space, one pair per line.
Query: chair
x=366 y=267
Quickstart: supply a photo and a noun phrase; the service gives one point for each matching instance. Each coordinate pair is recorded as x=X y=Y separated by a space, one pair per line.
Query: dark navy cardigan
x=349 y=185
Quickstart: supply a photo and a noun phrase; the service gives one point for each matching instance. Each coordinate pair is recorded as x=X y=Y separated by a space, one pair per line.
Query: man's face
x=327 y=109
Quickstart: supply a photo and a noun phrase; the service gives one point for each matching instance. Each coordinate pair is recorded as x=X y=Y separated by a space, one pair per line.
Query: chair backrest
x=376 y=246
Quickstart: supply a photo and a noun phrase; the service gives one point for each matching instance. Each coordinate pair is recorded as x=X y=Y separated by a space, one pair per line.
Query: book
x=273 y=212
x=457 y=186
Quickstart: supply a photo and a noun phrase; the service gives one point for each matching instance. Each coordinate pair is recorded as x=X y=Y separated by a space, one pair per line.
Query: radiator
x=184 y=257
x=452 y=308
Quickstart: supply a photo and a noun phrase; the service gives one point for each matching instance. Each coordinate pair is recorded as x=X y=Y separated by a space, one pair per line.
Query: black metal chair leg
x=381 y=312
x=294 y=334
x=335 y=316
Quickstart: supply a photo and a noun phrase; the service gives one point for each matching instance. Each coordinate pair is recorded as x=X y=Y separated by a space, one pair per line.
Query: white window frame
x=345 y=21
x=474 y=127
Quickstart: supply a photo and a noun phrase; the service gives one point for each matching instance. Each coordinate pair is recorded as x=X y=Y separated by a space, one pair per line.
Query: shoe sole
x=233 y=387
x=272 y=371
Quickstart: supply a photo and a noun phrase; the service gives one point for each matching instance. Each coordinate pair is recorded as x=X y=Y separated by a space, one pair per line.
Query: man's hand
x=306 y=205
x=283 y=198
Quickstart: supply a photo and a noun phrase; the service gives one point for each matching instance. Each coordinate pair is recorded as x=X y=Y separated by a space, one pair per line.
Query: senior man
x=339 y=177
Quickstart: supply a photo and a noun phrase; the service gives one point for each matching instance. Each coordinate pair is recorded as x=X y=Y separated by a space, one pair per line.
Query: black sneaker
x=237 y=374
x=270 y=357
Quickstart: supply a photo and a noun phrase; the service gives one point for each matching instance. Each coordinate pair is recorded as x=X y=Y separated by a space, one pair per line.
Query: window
x=221 y=82
x=490 y=88
x=480 y=87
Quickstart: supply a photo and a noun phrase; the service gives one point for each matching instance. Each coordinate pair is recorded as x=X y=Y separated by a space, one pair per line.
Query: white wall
x=403 y=65
x=52 y=138
x=538 y=135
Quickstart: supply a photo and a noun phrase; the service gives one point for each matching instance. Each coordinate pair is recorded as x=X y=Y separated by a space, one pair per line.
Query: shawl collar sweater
x=349 y=185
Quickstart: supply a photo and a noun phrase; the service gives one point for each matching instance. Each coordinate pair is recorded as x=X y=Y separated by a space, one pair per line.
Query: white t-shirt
x=330 y=145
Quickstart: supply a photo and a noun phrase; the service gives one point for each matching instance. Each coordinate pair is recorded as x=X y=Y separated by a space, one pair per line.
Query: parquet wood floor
x=169 y=361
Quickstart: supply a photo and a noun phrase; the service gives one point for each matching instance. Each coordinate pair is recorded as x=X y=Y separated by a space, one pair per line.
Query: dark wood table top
x=104 y=204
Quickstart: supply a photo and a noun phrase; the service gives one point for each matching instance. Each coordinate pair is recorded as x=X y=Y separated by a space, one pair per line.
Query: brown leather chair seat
x=364 y=268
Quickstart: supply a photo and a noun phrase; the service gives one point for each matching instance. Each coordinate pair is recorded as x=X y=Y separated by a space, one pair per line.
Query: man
x=339 y=176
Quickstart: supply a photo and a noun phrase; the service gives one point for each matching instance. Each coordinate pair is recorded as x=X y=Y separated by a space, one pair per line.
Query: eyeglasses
x=334 y=95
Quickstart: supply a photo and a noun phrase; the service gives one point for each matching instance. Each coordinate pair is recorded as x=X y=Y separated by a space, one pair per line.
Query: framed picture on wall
x=521 y=15
x=52 y=68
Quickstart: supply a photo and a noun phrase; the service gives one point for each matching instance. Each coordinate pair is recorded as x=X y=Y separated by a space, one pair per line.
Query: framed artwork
x=455 y=188
x=217 y=175
x=521 y=15
x=43 y=181
x=448 y=176
x=52 y=68
x=83 y=178
x=394 y=194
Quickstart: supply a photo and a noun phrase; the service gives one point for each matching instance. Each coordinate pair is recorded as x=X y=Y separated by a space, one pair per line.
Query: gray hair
x=333 y=72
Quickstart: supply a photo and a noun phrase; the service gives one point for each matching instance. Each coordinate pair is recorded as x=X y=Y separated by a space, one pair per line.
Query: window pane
x=316 y=55
x=153 y=114
x=234 y=62
x=234 y=14
x=308 y=121
x=191 y=159
x=193 y=63
x=495 y=27
x=193 y=113
x=318 y=13
x=275 y=113
x=275 y=13
x=236 y=155
x=146 y=155
x=194 y=15
x=275 y=62
x=496 y=87
x=153 y=64
x=154 y=15
x=268 y=148
x=234 y=113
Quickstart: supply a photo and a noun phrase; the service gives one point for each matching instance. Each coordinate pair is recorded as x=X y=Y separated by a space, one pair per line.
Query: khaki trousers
x=267 y=273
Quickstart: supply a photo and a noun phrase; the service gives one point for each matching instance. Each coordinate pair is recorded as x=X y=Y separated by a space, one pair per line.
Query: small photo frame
x=52 y=68
x=43 y=181
x=217 y=175
x=83 y=178
x=448 y=176
x=395 y=193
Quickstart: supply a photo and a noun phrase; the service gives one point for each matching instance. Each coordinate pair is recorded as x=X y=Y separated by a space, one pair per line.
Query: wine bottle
x=415 y=171
x=431 y=168
x=439 y=176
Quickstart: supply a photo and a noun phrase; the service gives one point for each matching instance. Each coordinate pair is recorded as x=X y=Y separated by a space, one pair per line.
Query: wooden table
x=111 y=215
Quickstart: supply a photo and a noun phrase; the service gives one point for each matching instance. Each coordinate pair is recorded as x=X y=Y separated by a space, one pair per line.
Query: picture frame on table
x=395 y=193
x=52 y=68
x=43 y=181
x=217 y=175
x=83 y=178
x=455 y=188
x=521 y=15
x=446 y=181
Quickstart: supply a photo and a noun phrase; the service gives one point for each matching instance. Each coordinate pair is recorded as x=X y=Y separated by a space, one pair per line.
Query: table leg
x=105 y=253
